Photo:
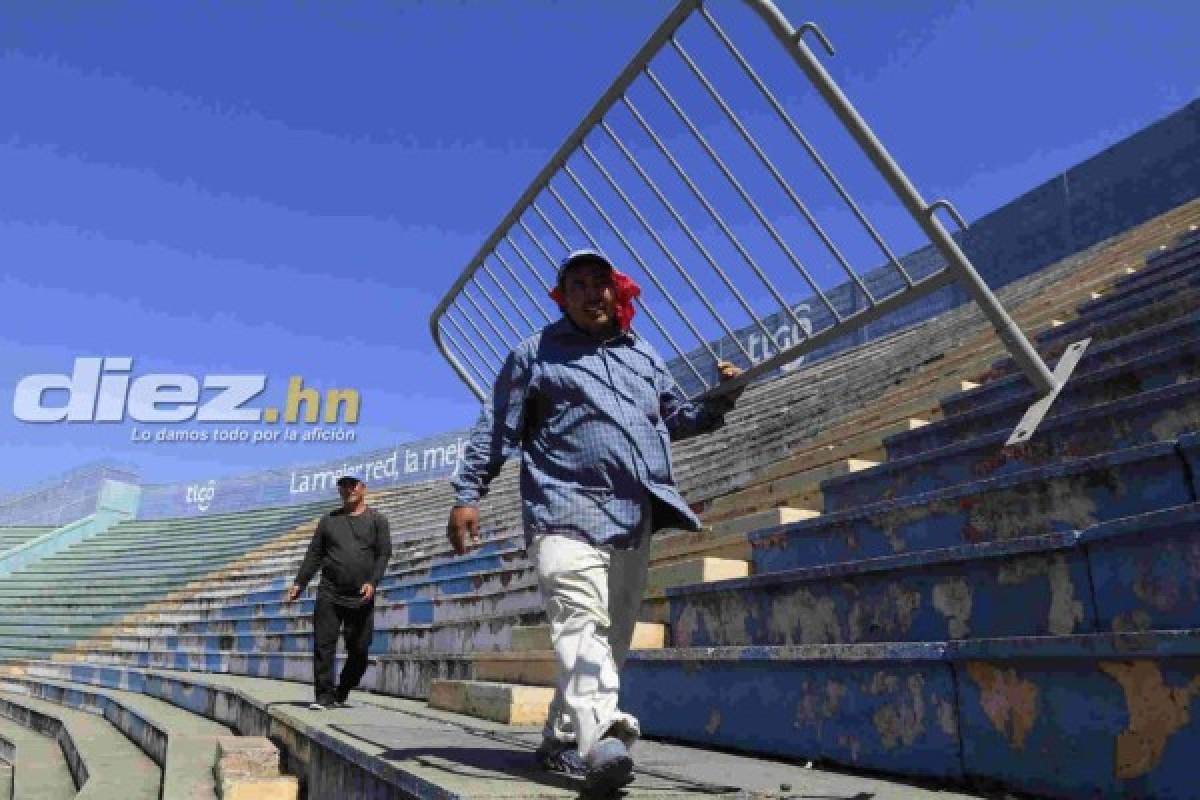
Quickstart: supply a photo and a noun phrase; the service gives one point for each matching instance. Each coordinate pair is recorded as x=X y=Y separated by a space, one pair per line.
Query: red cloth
x=625 y=289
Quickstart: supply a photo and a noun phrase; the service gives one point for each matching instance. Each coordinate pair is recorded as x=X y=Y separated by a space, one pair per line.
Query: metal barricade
x=646 y=204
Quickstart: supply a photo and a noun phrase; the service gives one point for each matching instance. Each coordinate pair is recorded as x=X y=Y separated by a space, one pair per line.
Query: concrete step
x=508 y=703
x=103 y=763
x=1181 y=253
x=1119 y=319
x=392 y=748
x=726 y=539
x=801 y=490
x=500 y=593
x=470 y=575
x=482 y=633
x=248 y=768
x=388 y=638
x=954 y=367
x=182 y=744
x=1147 y=417
x=279 y=666
x=646 y=635
x=1130 y=574
x=992 y=709
x=1175 y=362
x=117 y=565
x=36 y=766
x=1035 y=586
x=1070 y=496
x=868 y=445
x=699 y=570
x=1118 y=323
x=413 y=675
x=1151 y=289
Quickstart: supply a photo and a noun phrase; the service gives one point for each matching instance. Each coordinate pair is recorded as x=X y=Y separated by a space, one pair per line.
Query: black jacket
x=350 y=551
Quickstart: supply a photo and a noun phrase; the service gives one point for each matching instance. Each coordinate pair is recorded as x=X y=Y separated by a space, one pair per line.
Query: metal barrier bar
x=511 y=300
x=508 y=268
x=805 y=143
x=683 y=226
x=665 y=36
x=479 y=373
x=469 y=341
x=488 y=319
x=783 y=184
x=612 y=226
x=736 y=184
x=1022 y=351
x=587 y=151
x=562 y=240
x=712 y=212
x=541 y=248
x=492 y=302
x=467 y=318
x=887 y=305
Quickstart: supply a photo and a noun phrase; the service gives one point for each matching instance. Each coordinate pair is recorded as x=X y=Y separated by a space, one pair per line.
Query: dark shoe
x=563 y=757
x=609 y=766
x=342 y=700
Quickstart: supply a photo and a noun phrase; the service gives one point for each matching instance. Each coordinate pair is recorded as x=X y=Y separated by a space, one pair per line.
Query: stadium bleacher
x=15 y=536
x=885 y=587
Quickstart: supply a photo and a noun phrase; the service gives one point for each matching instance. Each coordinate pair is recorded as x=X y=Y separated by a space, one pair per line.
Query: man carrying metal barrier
x=593 y=409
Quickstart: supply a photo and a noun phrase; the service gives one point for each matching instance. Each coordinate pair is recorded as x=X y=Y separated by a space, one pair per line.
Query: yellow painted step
x=248 y=769
x=700 y=570
x=802 y=490
x=726 y=539
x=757 y=521
x=533 y=668
x=500 y=702
x=530 y=638
x=865 y=445
x=535 y=638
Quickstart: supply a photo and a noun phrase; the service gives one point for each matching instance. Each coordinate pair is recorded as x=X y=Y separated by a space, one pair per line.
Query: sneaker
x=342 y=703
x=317 y=705
x=609 y=766
x=554 y=756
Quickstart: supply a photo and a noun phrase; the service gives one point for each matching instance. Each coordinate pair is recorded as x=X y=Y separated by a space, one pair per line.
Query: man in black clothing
x=351 y=547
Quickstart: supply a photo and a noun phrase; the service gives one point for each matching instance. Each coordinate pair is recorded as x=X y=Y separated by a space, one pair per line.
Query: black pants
x=330 y=619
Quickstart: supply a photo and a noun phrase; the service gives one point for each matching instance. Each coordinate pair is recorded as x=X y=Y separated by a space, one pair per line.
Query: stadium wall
x=414 y=462
x=66 y=498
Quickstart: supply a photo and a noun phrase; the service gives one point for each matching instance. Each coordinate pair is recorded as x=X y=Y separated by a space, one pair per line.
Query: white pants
x=592 y=597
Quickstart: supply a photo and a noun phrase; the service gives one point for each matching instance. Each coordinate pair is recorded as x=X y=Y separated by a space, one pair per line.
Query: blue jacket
x=594 y=421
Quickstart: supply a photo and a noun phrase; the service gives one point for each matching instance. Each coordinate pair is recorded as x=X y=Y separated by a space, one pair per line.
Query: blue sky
x=286 y=188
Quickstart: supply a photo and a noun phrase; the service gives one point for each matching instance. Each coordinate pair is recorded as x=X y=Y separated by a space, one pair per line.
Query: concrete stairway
x=393 y=747
x=43 y=770
x=14 y=536
x=1025 y=615
x=101 y=762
